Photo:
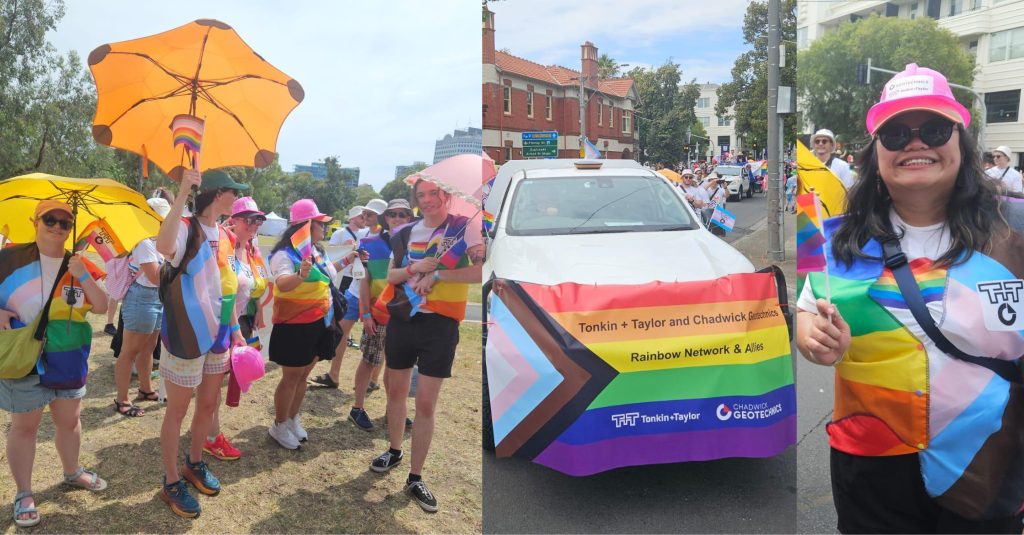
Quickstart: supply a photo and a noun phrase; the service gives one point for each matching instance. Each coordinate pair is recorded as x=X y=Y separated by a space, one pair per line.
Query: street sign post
x=540 y=144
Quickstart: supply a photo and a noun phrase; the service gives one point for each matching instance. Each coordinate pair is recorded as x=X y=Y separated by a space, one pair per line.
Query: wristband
x=408 y=269
x=82 y=279
x=366 y=315
x=235 y=328
x=437 y=276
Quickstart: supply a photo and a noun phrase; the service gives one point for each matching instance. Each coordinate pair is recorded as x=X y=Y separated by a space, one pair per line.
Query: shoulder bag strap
x=41 y=327
x=1007 y=170
x=896 y=261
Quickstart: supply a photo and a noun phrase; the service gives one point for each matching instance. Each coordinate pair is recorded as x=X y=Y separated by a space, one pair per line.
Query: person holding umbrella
x=421 y=333
x=29 y=273
x=203 y=279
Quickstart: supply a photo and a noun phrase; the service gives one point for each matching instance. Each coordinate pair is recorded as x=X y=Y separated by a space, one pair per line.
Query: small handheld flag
x=723 y=218
x=302 y=241
x=818 y=212
x=187 y=132
x=589 y=150
x=102 y=238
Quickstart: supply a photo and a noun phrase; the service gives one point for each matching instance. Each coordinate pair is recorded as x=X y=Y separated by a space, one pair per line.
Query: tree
x=607 y=67
x=364 y=193
x=396 y=189
x=665 y=112
x=828 y=87
x=747 y=93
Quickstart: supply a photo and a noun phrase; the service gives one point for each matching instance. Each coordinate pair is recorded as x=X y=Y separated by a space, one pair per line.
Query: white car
x=737 y=182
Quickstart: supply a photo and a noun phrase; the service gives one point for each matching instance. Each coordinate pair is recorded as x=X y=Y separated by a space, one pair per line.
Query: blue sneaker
x=181 y=502
x=200 y=476
x=361 y=419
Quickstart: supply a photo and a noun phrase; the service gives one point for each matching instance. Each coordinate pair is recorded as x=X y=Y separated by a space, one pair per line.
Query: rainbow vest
x=895 y=395
x=200 y=301
x=309 y=301
x=378 y=249
x=445 y=298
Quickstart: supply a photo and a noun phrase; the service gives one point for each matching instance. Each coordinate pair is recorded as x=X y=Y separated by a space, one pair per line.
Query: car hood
x=615 y=258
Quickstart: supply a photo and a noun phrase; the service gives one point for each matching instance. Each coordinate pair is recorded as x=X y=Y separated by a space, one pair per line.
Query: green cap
x=216 y=179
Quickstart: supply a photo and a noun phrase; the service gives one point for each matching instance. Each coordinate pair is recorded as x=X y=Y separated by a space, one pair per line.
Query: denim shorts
x=352 y=313
x=27 y=395
x=142 y=309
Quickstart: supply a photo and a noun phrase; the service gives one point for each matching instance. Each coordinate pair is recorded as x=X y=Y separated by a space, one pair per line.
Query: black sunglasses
x=934 y=133
x=399 y=213
x=50 y=221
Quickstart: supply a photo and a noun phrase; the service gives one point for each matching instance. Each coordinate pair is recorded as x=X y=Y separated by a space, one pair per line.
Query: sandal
x=128 y=409
x=147 y=396
x=97 y=483
x=325 y=381
x=19 y=510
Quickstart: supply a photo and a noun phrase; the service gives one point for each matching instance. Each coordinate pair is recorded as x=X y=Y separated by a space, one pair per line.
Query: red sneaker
x=222 y=449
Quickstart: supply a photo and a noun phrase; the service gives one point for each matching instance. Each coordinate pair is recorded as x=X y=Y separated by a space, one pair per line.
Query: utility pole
x=776 y=243
x=583 y=112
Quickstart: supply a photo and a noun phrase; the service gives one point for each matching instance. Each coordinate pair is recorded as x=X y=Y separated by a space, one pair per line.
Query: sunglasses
x=934 y=133
x=253 y=220
x=822 y=141
x=399 y=213
x=50 y=221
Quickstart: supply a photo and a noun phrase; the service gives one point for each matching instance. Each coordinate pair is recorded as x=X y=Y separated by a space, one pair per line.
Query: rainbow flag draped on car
x=585 y=378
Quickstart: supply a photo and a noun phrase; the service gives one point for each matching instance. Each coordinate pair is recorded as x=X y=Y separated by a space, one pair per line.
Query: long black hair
x=973 y=211
x=286 y=238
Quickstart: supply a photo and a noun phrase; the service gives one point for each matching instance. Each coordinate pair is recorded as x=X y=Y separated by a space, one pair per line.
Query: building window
x=1006 y=45
x=547 y=107
x=801 y=38
x=975 y=4
x=507 y=92
x=1002 y=106
x=600 y=112
x=972 y=49
x=724 y=121
x=704 y=102
x=611 y=108
x=508 y=154
x=626 y=122
x=705 y=121
x=955 y=7
x=913 y=11
x=529 y=103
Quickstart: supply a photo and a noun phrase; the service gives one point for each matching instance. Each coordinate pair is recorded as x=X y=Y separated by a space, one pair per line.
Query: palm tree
x=607 y=67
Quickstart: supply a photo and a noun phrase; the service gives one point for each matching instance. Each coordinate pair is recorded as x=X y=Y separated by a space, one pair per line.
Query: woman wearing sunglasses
x=29 y=275
x=927 y=424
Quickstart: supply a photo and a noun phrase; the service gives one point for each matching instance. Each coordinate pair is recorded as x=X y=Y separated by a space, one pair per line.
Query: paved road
x=750 y=214
x=814 y=394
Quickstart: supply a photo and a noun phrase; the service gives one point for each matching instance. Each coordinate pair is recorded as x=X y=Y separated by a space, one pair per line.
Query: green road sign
x=540 y=144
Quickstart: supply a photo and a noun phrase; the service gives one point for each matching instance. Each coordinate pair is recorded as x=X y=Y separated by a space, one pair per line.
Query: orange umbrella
x=671 y=175
x=203 y=69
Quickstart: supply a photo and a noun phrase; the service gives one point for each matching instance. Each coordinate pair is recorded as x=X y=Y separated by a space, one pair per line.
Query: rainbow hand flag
x=640 y=374
x=103 y=240
x=187 y=132
x=302 y=241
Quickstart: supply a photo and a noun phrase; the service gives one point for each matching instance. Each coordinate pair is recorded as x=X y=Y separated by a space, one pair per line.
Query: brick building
x=522 y=96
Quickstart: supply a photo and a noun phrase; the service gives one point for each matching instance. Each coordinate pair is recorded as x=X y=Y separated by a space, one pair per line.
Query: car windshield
x=728 y=171
x=590 y=205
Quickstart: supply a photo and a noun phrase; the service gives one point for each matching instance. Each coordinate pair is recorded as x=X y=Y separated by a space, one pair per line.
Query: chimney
x=588 y=63
x=488 y=52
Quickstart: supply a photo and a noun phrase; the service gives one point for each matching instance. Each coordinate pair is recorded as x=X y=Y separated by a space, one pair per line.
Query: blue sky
x=383 y=80
x=704 y=37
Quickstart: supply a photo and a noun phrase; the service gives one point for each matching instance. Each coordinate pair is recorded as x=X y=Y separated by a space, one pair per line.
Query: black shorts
x=299 y=344
x=427 y=341
x=887 y=495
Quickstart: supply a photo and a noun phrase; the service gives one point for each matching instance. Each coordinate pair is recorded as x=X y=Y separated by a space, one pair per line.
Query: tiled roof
x=558 y=75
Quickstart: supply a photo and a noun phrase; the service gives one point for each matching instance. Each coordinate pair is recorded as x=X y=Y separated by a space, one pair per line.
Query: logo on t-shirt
x=1001 y=304
x=79 y=295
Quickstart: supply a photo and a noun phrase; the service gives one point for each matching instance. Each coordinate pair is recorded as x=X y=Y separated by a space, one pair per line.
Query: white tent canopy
x=274 y=225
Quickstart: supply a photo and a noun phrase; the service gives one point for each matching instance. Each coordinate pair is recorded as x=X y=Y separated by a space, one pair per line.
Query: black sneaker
x=110 y=329
x=419 y=492
x=386 y=461
x=361 y=419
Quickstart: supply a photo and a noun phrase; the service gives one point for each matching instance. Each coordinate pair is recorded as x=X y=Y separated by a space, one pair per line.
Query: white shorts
x=189 y=372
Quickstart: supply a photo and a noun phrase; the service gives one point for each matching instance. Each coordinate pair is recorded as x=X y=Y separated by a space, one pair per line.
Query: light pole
x=584 y=100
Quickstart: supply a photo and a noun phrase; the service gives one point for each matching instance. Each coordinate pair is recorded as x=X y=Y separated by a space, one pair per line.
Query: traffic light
x=862 y=73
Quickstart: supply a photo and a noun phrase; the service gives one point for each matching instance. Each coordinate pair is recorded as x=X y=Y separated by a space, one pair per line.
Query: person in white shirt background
x=823 y=143
x=1004 y=172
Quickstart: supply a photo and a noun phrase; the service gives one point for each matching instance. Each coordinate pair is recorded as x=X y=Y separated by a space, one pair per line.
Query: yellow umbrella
x=124 y=209
x=812 y=173
x=671 y=175
x=202 y=69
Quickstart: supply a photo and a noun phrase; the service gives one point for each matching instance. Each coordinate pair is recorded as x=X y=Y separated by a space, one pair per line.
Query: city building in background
x=522 y=96
x=721 y=130
x=990 y=30
x=350 y=175
x=468 y=141
x=402 y=171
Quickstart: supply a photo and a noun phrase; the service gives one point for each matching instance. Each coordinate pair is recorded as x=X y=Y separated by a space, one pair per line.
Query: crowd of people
x=201 y=285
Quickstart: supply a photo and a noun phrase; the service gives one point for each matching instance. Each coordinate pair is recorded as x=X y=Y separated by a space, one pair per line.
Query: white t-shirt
x=699 y=193
x=212 y=236
x=145 y=253
x=344 y=236
x=842 y=170
x=1011 y=180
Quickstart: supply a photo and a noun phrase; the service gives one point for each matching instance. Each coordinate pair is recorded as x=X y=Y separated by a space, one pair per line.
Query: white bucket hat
x=355 y=211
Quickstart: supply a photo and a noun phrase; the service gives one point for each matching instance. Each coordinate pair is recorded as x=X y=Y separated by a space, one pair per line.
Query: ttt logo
x=626 y=419
x=1000 y=301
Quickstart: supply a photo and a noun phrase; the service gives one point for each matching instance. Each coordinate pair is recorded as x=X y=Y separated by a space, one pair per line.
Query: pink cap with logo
x=245 y=205
x=304 y=210
x=916 y=88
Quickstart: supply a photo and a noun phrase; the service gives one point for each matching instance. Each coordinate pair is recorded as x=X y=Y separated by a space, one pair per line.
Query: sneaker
x=386 y=462
x=179 y=499
x=111 y=330
x=361 y=419
x=352 y=342
x=295 y=426
x=419 y=492
x=222 y=449
x=283 y=435
x=200 y=476
x=372 y=387
x=408 y=424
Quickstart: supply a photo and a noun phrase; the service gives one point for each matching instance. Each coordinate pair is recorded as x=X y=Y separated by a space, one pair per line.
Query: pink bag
x=120 y=276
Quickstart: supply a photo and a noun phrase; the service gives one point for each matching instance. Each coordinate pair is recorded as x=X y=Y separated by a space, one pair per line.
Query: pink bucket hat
x=247 y=366
x=916 y=88
x=304 y=210
x=246 y=206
